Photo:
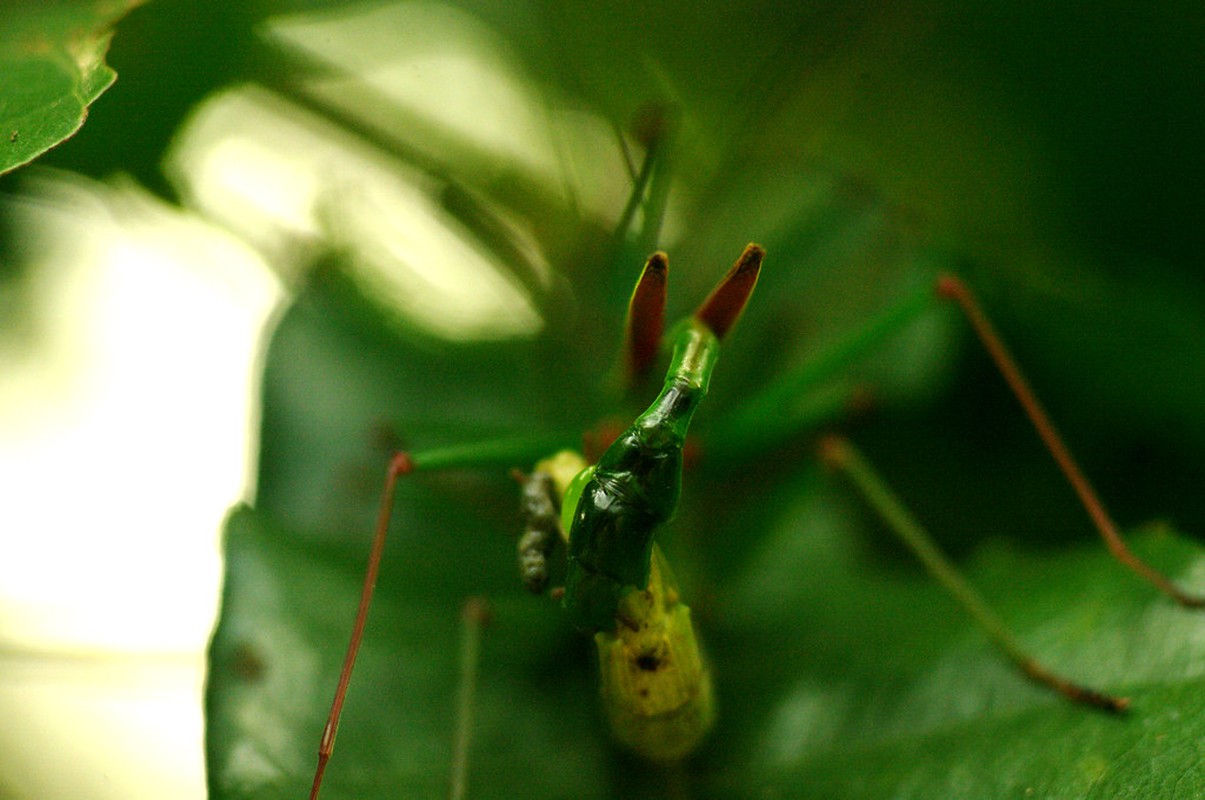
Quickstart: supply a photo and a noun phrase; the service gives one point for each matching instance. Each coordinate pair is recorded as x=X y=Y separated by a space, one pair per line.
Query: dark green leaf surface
x=51 y=69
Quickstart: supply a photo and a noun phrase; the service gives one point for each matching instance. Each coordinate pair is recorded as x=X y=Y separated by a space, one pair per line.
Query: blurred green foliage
x=1050 y=156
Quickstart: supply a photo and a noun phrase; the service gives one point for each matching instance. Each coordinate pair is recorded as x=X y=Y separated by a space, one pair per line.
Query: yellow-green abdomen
x=655 y=682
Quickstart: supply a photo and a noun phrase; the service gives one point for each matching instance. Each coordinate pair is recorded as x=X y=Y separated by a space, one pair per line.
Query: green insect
x=655 y=683
x=616 y=506
x=591 y=529
x=656 y=686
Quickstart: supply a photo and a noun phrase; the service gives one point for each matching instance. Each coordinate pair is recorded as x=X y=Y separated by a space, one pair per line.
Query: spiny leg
x=506 y=451
x=842 y=455
x=952 y=288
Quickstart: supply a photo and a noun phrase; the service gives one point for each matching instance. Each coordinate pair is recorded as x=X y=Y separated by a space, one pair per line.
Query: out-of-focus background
x=143 y=260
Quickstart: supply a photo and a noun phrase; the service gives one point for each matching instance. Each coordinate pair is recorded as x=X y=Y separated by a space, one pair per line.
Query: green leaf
x=51 y=69
x=879 y=686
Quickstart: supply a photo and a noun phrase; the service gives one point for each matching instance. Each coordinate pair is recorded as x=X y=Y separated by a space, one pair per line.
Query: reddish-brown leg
x=951 y=287
x=400 y=465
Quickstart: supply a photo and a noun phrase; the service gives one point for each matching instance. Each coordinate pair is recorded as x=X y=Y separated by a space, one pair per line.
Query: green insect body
x=654 y=680
x=655 y=683
x=633 y=490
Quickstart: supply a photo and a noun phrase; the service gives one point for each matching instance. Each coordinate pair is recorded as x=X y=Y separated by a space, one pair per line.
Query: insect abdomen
x=655 y=683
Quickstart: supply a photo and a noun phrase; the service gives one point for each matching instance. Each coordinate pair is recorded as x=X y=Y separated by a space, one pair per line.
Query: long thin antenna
x=954 y=289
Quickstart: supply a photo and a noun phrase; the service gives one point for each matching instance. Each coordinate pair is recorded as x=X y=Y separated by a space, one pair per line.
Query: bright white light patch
x=440 y=82
x=421 y=264
x=125 y=422
x=119 y=477
x=289 y=181
x=441 y=66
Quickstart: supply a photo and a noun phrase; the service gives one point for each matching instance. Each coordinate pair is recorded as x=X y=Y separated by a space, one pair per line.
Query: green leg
x=842 y=455
x=639 y=229
x=764 y=421
x=650 y=190
x=474 y=618
x=494 y=453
